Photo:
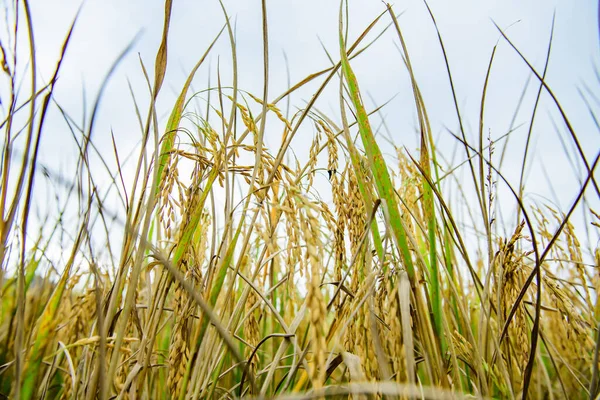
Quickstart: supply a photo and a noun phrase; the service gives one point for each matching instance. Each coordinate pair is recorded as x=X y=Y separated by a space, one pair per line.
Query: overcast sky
x=106 y=27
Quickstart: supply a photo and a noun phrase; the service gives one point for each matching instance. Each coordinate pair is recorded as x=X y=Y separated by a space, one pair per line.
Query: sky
x=300 y=31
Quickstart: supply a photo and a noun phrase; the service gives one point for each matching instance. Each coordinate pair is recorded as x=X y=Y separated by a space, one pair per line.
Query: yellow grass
x=277 y=292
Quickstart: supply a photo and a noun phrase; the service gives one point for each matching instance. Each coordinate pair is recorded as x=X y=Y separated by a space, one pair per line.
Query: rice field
x=216 y=265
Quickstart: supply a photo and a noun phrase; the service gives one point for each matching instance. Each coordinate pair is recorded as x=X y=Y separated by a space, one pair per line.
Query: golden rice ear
x=316 y=304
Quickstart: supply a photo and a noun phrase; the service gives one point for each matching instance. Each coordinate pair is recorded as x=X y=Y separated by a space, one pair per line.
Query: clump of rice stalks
x=511 y=270
x=319 y=268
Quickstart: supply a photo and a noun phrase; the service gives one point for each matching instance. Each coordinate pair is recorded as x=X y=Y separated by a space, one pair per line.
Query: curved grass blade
x=168 y=140
x=377 y=163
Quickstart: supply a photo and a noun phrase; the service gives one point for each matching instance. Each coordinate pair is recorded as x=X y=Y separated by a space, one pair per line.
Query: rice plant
x=212 y=264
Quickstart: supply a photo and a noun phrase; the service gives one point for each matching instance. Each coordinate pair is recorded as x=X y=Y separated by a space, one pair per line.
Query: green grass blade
x=377 y=163
x=168 y=140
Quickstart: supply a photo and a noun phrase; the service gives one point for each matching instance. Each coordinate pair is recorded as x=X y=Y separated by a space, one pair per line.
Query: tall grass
x=237 y=277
